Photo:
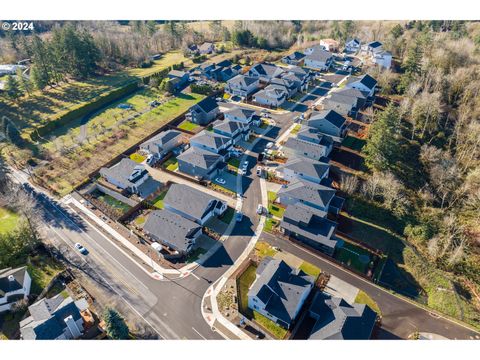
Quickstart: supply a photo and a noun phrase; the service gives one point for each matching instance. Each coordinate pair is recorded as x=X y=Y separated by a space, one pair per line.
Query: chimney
x=72 y=326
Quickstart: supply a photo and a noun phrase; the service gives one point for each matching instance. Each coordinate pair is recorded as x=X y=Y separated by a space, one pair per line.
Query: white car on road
x=81 y=249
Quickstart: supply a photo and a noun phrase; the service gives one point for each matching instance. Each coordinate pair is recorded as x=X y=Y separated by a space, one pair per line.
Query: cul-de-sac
x=243 y=180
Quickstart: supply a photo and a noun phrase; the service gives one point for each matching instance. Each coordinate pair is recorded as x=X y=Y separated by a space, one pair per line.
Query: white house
x=126 y=175
x=383 y=59
x=352 y=45
x=242 y=85
x=317 y=58
x=272 y=95
x=364 y=83
x=14 y=285
x=372 y=47
x=330 y=44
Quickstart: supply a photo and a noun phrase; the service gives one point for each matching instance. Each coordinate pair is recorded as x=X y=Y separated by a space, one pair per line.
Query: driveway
x=230 y=180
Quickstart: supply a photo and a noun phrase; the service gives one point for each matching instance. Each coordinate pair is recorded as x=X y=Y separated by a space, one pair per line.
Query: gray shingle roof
x=177 y=73
x=329 y=115
x=228 y=126
x=295 y=56
x=308 y=133
x=243 y=80
x=312 y=149
x=206 y=105
x=281 y=288
x=7 y=285
x=171 y=229
x=305 y=166
x=308 y=192
x=338 y=320
x=210 y=139
x=310 y=223
x=47 y=318
x=126 y=172
x=352 y=92
x=199 y=157
x=365 y=79
x=319 y=54
x=269 y=70
x=240 y=113
x=189 y=200
x=158 y=142
x=272 y=91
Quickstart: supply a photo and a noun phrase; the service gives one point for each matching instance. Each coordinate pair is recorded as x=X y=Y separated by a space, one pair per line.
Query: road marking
x=195 y=276
x=203 y=337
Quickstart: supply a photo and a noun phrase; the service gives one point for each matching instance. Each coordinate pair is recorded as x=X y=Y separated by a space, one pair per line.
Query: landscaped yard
x=171 y=164
x=114 y=203
x=353 y=143
x=234 y=163
x=270 y=224
x=273 y=328
x=8 y=220
x=363 y=298
x=353 y=256
x=137 y=157
x=243 y=284
x=263 y=249
x=66 y=171
x=310 y=269
x=296 y=129
x=276 y=210
x=158 y=202
x=188 y=125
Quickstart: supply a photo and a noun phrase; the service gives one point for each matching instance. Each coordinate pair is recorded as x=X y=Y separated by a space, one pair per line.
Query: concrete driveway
x=230 y=180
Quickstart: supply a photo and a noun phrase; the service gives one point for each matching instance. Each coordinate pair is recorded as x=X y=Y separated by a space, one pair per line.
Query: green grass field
x=243 y=284
x=158 y=202
x=363 y=298
x=353 y=143
x=137 y=157
x=114 y=203
x=188 y=125
x=310 y=269
x=8 y=220
x=66 y=171
x=263 y=249
x=352 y=256
x=276 y=210
x=270 y=224
x=167 y=60
x=171 y=164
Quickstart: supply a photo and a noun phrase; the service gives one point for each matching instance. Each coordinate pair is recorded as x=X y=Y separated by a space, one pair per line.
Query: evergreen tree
x=12 y=88
x=24 y=82
x=38 y=78
x=381 y=149
x=396 y=31
x=115 y=325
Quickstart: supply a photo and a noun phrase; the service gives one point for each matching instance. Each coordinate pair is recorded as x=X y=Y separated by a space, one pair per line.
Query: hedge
x=84 y=110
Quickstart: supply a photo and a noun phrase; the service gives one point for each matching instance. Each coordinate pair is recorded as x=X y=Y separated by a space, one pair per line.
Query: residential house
x=347 y=101
x=295 y=147
x=328 y=122
x=204 y=111
x=172 y=230
x=206 y=48
x=335 y=319
x=56 y=318
x=243 y=115
x=222 y=73
x=279 y=291
x=265 y=71
x=295 y=58
x=318 y=59
x=193 y=204
x=288 y=82
x=352 y=45
x=235 y=130
x=178 y=78
x=300 y=168
x=126 y=175
x=211 y=141
x=273 y=96
x=206 y=68
x=314 y=195
x=383 y=59
x=310 y=226
x=372 y=47
x=199 y=163
x=11 y=69
x=313 y=135
x=330 y=45
x=192 y=50
x=242 y=85
x=364 y=83
x=161 y=144
x=14 y=285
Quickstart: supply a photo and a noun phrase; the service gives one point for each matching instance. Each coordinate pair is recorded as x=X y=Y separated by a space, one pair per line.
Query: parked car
x=269 y=145
x=150 y=159
x=259 y=171
x=260 y=209
x=81 y=249
x=154 y=103
x=221 y=181
x=238 y=217
x=125 y=106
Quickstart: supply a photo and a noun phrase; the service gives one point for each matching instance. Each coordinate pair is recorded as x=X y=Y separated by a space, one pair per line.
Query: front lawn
x=171 y=164
x=363 y=298
x=271 y=196
x=8 y=220
x=137 y=157
x=270 y=224
x=234 y=163
x=296 y=129
x=263 y=249
x=276 y=210
x=42 y=269
x=188 y=125
x=310 y=269
x=353 y=256
x=158 y=202
x=244 y=282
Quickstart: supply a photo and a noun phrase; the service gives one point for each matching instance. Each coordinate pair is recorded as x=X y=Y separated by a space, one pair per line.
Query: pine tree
x=12 y=88
x=38 y=78
x=116 y=327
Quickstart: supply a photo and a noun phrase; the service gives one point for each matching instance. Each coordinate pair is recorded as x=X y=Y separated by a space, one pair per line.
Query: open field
x=66 y=171
x=167 y=60
x=8 y=220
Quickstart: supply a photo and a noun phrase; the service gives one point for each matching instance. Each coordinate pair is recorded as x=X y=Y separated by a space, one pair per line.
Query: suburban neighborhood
x=232 y=184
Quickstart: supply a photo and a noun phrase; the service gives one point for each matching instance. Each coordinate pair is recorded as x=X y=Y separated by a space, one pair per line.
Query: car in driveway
x=260 y=209
x=220 y=181
x=81 y=249
x=244 y=167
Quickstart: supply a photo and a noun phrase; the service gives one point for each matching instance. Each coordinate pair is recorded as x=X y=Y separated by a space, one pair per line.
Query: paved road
x=400 y=317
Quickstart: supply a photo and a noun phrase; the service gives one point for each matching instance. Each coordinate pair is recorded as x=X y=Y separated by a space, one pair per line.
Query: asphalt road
x=400 y=318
